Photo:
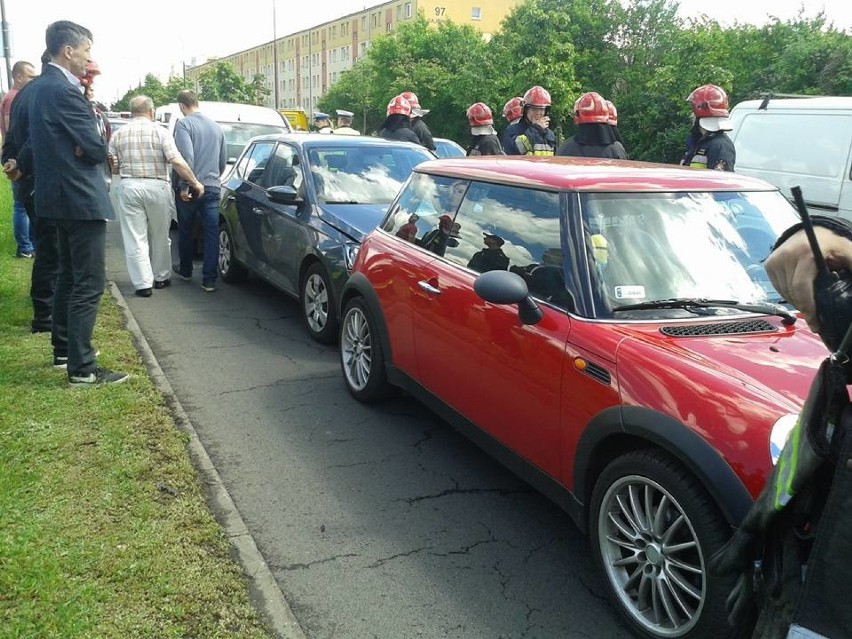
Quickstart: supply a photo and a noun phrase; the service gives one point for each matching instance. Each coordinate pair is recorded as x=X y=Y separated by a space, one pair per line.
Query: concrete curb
x=264 y=590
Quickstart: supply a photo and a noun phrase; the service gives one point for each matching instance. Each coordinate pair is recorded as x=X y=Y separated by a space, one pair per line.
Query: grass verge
x=104 y=531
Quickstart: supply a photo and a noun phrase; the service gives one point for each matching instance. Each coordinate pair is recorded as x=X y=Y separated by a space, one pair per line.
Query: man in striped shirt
x=142 y=152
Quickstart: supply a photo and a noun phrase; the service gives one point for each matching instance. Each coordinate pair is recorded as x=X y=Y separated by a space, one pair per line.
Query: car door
x=249 y=200
x=478 y=357
x=283 y=234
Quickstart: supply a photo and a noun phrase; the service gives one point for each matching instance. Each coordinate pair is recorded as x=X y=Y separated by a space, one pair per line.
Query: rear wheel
x=653 y=530
x=361 y=356
x=318 y=305
x=229 y=269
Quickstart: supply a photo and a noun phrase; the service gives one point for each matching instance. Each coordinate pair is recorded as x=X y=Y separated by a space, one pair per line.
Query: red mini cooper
x=608 y=331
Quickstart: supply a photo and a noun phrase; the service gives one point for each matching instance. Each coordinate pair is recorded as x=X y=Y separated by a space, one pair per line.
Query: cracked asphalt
x=376 y=521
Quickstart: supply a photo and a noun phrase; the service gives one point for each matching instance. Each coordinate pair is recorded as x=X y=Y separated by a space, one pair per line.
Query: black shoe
x=100 y=376
x=209 y=285
x=144 y=292
x=186 y=277
x=162 y=284
x=60 y=361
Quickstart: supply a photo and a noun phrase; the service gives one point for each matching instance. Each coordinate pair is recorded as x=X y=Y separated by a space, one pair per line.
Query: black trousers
x=79 y=287
x=45 y=264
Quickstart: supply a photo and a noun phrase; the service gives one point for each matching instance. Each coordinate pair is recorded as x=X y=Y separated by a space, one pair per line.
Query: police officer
x=484 y=140
x=322 y=122
x=344 y=123
x=534 y=137
x=595 y=137
x=708 y=146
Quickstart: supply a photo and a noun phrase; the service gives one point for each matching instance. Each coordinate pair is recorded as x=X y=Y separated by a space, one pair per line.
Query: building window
x=407 y=9
x=389 y=27
x=334 y=31
x=363 y=23
x=399 y=12
x=476 y=13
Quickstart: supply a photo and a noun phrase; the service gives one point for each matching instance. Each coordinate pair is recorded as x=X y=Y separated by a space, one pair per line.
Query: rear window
x=802 y=143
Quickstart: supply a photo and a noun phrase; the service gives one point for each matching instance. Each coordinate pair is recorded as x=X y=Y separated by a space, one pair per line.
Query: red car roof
x=584 y=174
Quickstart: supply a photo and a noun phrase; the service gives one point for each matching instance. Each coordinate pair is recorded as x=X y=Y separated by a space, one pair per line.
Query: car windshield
x=360 y=175
x=652 y=250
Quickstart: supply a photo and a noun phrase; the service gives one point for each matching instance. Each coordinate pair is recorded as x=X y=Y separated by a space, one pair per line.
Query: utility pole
x=7 y=45
x=274 y=54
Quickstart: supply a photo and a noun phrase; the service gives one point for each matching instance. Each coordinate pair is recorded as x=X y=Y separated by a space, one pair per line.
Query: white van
x=239 y=122
x=804 y=142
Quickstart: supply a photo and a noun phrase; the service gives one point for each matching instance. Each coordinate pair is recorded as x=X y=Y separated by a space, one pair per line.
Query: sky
x=133 y=39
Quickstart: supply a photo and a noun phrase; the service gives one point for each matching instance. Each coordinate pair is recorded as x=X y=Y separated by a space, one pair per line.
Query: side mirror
x=283 y=195
x=504 y=287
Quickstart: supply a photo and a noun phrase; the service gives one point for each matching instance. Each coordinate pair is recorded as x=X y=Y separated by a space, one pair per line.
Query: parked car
x=295 y=208
x=446 y=148
x=607 y=330
x=239 y=122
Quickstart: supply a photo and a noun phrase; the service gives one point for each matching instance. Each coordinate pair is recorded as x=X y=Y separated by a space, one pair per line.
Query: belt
x=143 y=177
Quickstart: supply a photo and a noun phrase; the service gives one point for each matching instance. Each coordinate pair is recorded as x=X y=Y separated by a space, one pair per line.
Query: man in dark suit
x=68 y=156
x=46 y=263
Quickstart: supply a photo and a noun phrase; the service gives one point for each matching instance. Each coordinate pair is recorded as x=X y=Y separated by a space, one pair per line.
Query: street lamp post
x=274 y=54
x=7 y=45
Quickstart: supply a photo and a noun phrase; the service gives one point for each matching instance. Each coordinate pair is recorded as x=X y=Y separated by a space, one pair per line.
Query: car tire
x=361 y=355
x=655 y=567
x=318 y=307
x=230 y=270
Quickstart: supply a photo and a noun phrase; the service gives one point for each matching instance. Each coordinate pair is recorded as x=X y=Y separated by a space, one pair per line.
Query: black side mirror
x=283 y=195
x=504 y=287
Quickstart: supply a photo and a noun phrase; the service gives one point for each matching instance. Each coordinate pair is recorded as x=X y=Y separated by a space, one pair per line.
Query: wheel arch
x=618 y=430
x=359 y=286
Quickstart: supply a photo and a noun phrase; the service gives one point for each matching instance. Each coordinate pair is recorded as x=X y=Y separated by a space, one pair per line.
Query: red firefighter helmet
x=412 y=99
x=399 y=106
x=537 y=96
x=479 y=114
x=590 y=108
x=513 y=109
x=613 y=114
x=709 y=101
x=92 y=70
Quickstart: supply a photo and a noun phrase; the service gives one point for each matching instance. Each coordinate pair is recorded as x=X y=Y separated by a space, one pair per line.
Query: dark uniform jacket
x=485 y=145
x=423 y=133
x=594 y=140
x=533 y=140
x=68 y=152
x=713 y=151
x=512 y=131
x=398 y=127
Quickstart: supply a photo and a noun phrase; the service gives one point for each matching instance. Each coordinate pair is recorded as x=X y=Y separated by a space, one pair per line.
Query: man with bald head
x=142 y=152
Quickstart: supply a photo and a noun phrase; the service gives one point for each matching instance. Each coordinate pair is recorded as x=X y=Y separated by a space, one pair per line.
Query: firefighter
x=512 y=111
x=417 y=124
x=484 y=140
x=397 y=125
x=534 y=136
x=708 y=146
x=595 y=137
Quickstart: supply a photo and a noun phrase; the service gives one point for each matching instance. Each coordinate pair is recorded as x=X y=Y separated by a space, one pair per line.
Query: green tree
x=261 y=91
x=154 y=89
x=222 y=84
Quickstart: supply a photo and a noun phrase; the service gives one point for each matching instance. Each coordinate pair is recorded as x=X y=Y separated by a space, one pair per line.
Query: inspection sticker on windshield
x=629 y=292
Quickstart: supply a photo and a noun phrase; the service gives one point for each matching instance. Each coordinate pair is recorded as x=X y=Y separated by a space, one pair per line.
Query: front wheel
x=361 y=356
x=653 y=530
x=318 y=305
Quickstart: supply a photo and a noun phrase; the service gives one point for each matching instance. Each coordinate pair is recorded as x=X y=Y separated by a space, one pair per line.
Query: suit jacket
x=16 y=136
x=61 y=121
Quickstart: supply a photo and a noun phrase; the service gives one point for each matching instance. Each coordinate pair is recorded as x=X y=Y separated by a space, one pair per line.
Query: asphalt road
x=376 y=521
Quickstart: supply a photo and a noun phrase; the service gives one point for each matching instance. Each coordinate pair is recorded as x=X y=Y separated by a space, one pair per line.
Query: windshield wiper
x=341 y=201
x=692 y=304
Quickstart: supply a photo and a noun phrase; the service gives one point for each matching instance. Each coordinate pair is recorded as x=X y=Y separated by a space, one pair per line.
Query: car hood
x=355 y=220
x=777 y=366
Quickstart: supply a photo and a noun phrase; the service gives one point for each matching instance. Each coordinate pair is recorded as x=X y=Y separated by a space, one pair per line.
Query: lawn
x=104 y=530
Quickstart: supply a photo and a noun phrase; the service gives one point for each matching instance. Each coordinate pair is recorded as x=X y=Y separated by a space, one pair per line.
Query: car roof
x=585 y=174
x=329 y=139
x=773 y=104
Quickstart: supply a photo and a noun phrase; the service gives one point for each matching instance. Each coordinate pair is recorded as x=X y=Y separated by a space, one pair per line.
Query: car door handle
x=428 y=288
x=257 y=211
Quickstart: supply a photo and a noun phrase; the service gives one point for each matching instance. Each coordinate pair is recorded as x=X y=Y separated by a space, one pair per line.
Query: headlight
x=781 y=430
x=350 y=252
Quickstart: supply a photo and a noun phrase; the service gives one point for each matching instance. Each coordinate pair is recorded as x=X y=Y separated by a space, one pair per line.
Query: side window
x=425 y=211
x=254 y=162
x=516 y=229
x=282 y=169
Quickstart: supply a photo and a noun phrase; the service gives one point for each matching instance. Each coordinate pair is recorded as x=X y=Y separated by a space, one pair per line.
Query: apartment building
x=305 y=64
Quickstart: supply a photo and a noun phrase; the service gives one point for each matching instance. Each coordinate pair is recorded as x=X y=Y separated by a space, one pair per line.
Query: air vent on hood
x=719 y=328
